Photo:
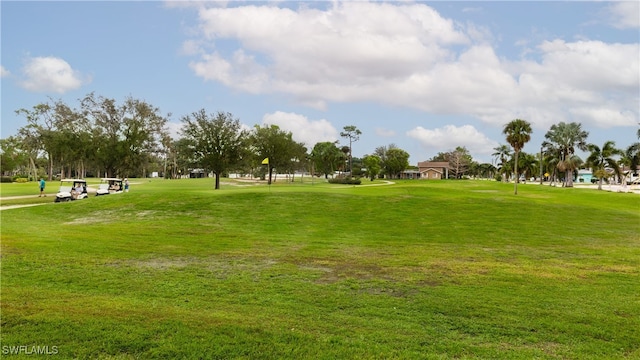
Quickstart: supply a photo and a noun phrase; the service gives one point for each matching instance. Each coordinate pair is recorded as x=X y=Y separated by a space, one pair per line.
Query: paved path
x=20 y=197
x=9 y=207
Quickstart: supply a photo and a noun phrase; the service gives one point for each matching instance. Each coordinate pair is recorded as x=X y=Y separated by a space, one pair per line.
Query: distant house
x=197 y=173
x=410 y=174
x=433 y=169
x=585 y=176
x=631 y=176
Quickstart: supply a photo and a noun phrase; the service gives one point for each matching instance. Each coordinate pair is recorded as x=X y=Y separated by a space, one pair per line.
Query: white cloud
x=449 y=137
x=590 y=65
x=240 y=72
x=302 y=129
x=606 y=116
x=4 y=72
x=191 y=47
x=408 y=55
x=332 y=55
x=624 y=14
x=44 y=74
x=385 y=132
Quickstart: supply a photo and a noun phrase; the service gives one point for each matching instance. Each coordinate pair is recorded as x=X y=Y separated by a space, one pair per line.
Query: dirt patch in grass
x=220 y=266
x=111 y=216
x=331 y=271
x=106 y=216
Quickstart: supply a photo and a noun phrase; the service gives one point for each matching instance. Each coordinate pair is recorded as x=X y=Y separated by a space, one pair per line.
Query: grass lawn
x=413 y=270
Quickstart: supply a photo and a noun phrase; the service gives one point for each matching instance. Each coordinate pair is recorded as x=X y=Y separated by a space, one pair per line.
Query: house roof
x=433 y=164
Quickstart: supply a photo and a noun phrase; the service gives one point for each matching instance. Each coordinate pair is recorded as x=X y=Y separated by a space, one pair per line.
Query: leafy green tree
x=214 y=141
x=298 y=159
x=396 y=161
x=357 y=167
x=565 y=139
x=275 y=144
x=73 y=140
x=124 y=135
x=600 y=158
x=326 y=156
x=39 y=133
x=518 y=133
x=372 y=163
x=11 y=157
x=382 y=153
x=182 y=158
x=353 y=134
x=30 y=144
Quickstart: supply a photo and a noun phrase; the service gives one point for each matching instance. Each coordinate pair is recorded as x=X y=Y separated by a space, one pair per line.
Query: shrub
x=21 y=180
x=6 y=179
x=346 y=181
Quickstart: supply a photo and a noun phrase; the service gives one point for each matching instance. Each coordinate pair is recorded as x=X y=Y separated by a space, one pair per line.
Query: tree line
x=101 y=137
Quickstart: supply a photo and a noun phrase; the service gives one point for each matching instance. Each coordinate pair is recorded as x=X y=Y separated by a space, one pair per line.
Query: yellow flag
x=265 y=161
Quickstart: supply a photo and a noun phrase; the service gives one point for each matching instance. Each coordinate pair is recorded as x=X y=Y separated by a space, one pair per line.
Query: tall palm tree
x=501 y=153
x=518 y=133
x=600 y=158
x=566 y=138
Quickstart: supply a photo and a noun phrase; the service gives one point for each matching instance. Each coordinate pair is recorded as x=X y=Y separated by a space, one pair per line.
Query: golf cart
x=71 y=189
x=110 y=186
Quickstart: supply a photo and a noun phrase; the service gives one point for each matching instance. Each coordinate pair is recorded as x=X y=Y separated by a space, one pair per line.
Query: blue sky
x=426 y=76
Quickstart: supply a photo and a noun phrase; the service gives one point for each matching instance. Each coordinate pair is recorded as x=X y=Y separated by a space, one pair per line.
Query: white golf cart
x=71 y=189
x=109 y=186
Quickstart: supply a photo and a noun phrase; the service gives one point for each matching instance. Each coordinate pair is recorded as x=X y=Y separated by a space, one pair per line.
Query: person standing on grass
x=126 y=185
x=42 y=184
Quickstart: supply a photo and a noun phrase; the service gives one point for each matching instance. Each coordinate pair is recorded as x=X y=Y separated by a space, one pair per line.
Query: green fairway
x=411 y=270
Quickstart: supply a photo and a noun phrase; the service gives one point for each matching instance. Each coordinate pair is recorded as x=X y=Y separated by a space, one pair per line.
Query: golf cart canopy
x=109 y=186
x=75 y=181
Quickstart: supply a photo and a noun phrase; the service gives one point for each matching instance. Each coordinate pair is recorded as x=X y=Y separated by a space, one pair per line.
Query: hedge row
x=347 y=181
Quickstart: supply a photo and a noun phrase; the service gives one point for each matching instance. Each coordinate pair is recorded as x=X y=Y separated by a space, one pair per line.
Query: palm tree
x=528 y=164
x=566 y=138
x=501 y=153
x=518 y=133
x=568 y=166
x=631 y=157
x=600 y=158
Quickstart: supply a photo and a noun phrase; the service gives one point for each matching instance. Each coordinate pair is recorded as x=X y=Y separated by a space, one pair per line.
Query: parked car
x=109 y=186
x=71 y=189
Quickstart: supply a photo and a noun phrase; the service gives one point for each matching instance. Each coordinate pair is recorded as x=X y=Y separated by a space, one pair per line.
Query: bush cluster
x=6 y=179
x=347 y=181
